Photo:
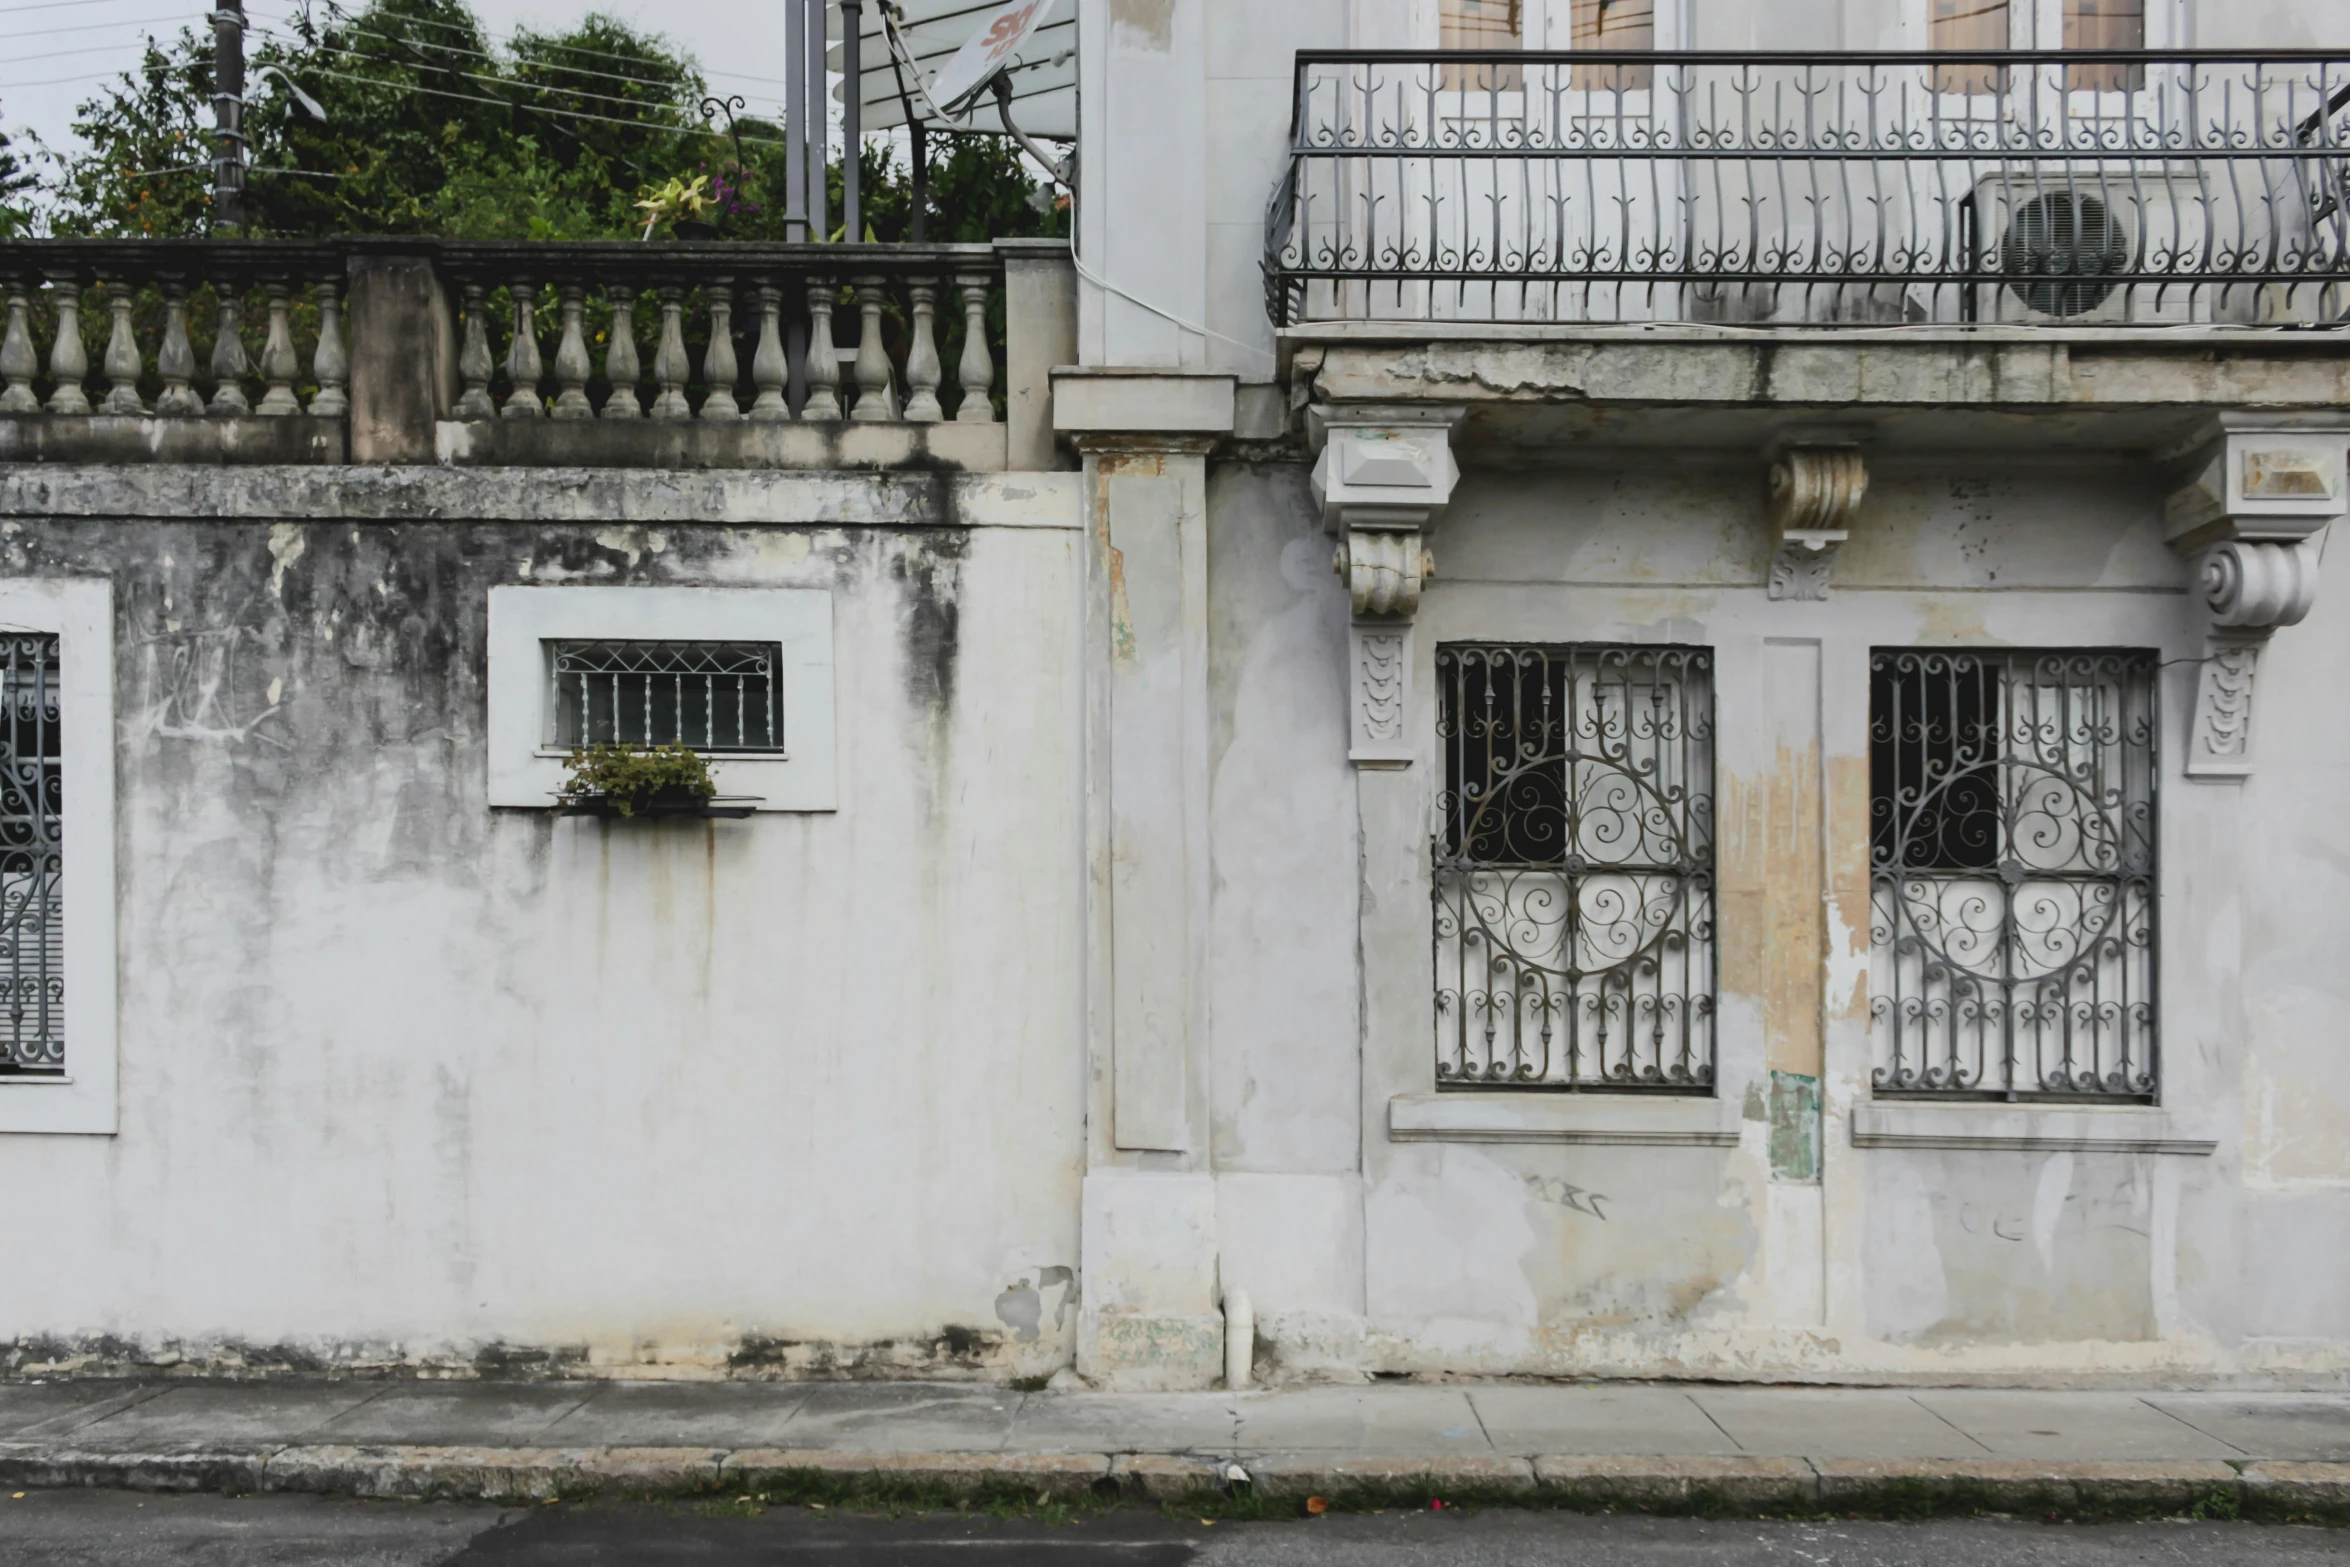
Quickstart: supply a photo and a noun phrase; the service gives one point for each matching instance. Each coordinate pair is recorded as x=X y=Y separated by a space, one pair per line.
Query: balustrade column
x=976 y=372
x=175 y=361
x=18 y=362
x=228 y=353
x=823 y=402
x=69 y=363
x=474 y=364
x=571 y=359
x=876 y=398
x=670 y=365
x=124 y=365
x=330 y=365
x=524 y=367
x=922 y=366
x=620 y=362
x=719 y=370
x=770 y=371
x=279 y=363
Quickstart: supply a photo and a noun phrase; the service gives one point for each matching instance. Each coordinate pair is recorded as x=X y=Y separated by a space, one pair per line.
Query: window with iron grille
x=710 y=696
x=32 y=901
x=1574 y=868
x=2012 y=838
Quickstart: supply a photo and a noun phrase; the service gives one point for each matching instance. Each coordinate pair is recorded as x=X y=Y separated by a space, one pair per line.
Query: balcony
x=2097 y=192
x=543 y=354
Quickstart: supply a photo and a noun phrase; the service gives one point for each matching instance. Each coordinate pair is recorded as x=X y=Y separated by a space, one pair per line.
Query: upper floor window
x=1480 y=26
x=1487 y=25
x=1613 y=24
x=1966 y=26
x=2105 y=24
x=1574 y=873
x=2012 y=886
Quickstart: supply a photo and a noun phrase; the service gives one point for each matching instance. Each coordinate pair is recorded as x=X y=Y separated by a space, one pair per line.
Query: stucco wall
x=1903 y=1262
x=408 y=1079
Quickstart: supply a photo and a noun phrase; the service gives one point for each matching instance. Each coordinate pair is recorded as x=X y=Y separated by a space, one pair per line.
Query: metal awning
x=1044 y=82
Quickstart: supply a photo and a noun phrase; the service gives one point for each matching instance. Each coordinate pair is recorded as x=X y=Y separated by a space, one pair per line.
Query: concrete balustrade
x=599 y=354
x=140 y=303
x=771 y=334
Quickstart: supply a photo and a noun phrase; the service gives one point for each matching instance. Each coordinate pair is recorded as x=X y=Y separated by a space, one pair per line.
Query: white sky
x=59 y=51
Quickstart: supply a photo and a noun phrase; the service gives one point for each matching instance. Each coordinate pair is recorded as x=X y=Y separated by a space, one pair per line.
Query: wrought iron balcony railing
x=2106 y=189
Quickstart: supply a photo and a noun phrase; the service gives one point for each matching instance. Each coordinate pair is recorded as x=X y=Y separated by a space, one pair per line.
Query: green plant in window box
x=635 y=780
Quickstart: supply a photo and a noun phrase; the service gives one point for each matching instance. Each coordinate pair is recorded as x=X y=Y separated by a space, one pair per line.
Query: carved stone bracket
x=1383 y=571
x=2254 y=505
x=1383 y=477
x=1814 y=491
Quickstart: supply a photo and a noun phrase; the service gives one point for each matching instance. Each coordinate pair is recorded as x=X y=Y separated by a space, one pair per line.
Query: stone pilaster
x=1148 y=1318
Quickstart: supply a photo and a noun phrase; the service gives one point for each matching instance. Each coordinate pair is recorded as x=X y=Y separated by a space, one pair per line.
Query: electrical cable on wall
x=1058 y=172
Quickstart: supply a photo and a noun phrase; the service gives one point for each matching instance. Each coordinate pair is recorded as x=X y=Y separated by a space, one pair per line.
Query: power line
x=593 y=54
x=478 y=76
x=519 y=59
x=60 y=54
x=99 y=27
x=59 y=81
x=44 y=5
x=521 y=108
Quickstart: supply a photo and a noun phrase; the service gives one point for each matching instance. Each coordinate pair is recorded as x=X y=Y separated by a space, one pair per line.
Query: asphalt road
x=116 y=1529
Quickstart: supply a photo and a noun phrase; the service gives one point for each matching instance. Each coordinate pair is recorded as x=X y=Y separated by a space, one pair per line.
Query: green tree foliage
x=146 y=165
x=16 y=185
x=431 y=128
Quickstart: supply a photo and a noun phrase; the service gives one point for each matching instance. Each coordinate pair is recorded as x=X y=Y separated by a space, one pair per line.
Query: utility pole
x=852 y=97
x=795 y=120
x=920 y=131
x=228 y=116
x=816 y=149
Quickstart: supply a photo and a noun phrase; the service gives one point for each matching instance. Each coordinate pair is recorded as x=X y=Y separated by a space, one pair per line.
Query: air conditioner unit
x=2058 y=234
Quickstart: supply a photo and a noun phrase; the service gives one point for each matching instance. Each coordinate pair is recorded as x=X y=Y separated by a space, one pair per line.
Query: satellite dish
x=897 y=87
x=991 y=48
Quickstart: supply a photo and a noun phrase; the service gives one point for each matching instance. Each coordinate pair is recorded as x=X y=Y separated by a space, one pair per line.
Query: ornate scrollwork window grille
x=32 y=862
x=2012 y=838
x=1574 y=868
x=712 y=696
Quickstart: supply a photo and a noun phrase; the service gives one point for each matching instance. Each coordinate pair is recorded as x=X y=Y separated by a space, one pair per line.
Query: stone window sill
x=1638 y=1120
x=2049 y=1129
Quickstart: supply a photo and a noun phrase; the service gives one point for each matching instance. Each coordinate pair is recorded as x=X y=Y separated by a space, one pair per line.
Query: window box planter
x=665 y=803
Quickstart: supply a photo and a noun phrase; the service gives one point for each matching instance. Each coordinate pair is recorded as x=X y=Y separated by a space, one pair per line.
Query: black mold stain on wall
x=308 y=650
x=930 y=571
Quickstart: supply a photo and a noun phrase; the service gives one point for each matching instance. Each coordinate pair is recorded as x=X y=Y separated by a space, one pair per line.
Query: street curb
x=1739 y=1484
x=2027 y=1484
x=1043 y=1474
x=1636 y=1483
x=1316 y=1474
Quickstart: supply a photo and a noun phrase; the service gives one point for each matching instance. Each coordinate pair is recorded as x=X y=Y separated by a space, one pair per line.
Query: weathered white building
x=1804 y=837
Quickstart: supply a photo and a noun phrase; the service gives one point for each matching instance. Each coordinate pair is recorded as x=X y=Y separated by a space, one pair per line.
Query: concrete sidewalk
x=1642 y=1445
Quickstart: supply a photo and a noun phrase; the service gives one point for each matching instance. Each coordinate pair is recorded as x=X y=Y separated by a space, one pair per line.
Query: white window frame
x=526 y=767
x=79 y=612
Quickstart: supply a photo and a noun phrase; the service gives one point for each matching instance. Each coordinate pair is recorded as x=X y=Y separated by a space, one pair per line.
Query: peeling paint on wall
x=1795 y=1127
x=1143 y=26
x=1021 y=1306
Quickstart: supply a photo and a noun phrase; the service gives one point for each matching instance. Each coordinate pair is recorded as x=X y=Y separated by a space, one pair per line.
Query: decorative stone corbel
x=1814 y=490
x=1384 y=475
x=2254 y=506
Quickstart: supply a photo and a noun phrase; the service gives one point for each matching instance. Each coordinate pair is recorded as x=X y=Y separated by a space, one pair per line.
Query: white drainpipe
x=1240 y=1338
